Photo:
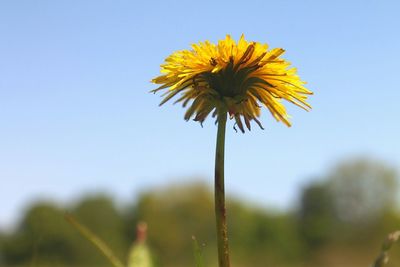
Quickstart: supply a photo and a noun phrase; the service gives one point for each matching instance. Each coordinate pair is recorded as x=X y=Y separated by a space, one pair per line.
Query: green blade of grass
x=100 y=244
x=197 y=253
x=383 y=257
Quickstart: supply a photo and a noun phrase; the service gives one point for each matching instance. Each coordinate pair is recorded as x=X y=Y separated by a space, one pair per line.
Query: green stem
x=219 y=191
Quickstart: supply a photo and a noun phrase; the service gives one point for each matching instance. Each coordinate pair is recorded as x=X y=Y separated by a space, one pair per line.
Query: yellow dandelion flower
x=238 y=78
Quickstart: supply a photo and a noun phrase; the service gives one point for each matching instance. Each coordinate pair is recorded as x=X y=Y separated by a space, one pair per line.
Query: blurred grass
x=333 y=224
x=139 y=254
x=383 y=257
x=198 y=257
x=96 y=241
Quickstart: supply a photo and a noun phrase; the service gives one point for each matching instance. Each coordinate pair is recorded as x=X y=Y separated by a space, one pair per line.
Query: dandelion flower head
x=235 y=78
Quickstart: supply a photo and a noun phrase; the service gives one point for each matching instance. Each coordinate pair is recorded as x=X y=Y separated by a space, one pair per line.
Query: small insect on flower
x=237 y=78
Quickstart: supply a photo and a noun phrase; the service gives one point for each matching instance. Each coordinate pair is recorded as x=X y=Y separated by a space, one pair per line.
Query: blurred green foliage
x=340 y=220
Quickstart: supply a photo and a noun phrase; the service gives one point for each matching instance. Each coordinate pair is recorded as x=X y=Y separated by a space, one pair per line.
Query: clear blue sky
x=76 y=115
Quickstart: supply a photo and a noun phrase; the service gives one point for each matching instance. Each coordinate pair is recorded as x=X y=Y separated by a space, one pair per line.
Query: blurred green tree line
x=339 y=220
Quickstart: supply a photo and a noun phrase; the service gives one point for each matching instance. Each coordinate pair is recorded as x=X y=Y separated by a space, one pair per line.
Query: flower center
x=230 y=81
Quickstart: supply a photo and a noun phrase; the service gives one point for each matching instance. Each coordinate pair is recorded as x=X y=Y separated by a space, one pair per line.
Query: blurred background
x=80 y=133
